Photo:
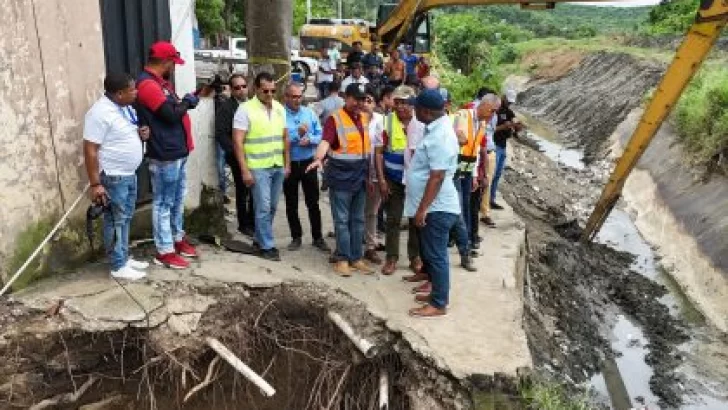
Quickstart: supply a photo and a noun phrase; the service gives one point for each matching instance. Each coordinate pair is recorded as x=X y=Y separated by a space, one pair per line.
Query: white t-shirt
x=415 y=132
x=321 y=77
x=111 y=126
x=376 y=128
x=351 y=80
x=334 y=56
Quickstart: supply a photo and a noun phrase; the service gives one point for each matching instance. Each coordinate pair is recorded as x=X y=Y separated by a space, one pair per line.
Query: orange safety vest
x=469 y=152
x=351 y=144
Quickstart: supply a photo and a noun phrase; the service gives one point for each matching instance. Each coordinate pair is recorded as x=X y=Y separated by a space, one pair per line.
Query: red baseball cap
x=165 y=51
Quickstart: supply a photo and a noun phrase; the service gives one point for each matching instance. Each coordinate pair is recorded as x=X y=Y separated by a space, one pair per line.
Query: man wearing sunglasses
x=224 y=136
x=168 y=148
x=304 y=135
x=260 y=141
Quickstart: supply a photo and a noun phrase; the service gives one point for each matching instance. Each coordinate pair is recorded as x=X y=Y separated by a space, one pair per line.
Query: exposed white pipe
x=45 y=241
x=383 y=390
x=241 y=367
x=364 y=346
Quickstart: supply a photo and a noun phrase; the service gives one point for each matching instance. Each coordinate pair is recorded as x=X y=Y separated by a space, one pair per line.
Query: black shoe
x=270 y=254
x=475 y=245
x=295 y=244
x=247 y=231
x=466 y=262
x=322 y=245
x=474 y=253
x=495 y=206
x=487 y=221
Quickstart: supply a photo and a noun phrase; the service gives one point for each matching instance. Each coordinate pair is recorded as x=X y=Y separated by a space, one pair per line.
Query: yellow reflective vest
x=263 y=143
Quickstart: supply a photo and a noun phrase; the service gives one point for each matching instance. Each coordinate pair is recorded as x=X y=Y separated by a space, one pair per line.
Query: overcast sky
x=629 y=3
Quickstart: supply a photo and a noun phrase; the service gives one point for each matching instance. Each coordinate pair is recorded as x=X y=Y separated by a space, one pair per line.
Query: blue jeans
x=220 y=165
x=500 y=164
x=347 y=211
x=169 y=187
x=460 y=230
x=122 y=193
x=266 y=191
x=435 y=257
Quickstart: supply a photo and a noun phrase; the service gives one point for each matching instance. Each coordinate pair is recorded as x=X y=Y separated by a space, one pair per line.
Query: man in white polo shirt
x=112 y=149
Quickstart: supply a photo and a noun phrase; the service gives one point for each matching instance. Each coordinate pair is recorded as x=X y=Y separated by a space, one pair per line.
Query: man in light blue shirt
x=432 y=200
x=304 y=133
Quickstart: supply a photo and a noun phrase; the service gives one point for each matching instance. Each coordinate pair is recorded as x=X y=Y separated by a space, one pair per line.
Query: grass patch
x=544 y=395
x=25 y=243
x=701 y=117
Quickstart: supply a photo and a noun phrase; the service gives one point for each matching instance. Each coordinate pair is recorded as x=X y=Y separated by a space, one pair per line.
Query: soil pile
x=586 y=105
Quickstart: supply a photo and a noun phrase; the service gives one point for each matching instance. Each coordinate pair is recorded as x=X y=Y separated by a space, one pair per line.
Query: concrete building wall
x=51 y=72
x=51 y=61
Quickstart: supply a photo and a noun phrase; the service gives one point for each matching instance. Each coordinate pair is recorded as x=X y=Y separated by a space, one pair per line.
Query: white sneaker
x=135 y=264
x=127 y=272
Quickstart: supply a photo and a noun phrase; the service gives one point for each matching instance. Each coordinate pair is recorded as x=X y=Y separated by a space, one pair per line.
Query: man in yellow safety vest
x=262 y=148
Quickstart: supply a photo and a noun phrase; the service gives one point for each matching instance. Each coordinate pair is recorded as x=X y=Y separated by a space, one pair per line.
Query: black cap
x=429 y=98
x=355 y=90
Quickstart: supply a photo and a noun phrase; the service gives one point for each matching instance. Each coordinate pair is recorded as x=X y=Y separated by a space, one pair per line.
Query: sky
x=630 y=3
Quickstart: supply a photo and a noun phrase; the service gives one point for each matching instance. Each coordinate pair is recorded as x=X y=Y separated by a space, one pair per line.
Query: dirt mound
x=551 y=65
x=586 y=105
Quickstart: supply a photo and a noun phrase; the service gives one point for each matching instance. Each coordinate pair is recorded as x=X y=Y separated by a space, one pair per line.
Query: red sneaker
x=171 y=260
x=184 y=248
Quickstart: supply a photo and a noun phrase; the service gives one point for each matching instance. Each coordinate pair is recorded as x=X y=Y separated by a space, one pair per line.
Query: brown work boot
x=371 y=256
x=389 y=267
x=362 y=267
x=416 y=264
x=342 y=269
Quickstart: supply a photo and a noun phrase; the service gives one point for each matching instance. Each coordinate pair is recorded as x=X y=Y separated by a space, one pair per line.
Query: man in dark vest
x=167 y=149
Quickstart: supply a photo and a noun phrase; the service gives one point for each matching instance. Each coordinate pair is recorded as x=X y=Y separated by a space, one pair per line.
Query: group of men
x=133 y=119
x=392 y=151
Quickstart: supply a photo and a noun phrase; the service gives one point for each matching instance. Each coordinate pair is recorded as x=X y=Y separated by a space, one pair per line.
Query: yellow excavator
x=408 y=22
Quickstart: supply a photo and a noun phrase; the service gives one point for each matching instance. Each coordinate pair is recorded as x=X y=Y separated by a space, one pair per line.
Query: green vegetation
x=25 y=245
x=701 y=116
x=550 y=396
x=671 y=17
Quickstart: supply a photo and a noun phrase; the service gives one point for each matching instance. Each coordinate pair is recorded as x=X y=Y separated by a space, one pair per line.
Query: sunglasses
x=240 y=87
x=295 y=97
x=268 y=91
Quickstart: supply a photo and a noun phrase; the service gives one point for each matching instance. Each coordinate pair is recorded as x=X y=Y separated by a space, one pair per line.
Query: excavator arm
x=709 y=22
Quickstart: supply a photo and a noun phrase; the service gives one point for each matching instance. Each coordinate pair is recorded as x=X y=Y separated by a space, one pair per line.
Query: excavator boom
x=708 y=24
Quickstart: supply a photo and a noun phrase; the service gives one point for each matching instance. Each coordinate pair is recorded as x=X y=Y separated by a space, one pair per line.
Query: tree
x=269 y=39
x=209 y=16
x=319 y=8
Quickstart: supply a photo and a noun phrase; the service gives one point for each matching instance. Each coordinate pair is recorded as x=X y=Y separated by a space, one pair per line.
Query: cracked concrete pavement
x=482 y=333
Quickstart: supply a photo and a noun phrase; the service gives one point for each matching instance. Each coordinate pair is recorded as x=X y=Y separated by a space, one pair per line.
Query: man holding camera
x=112 y=149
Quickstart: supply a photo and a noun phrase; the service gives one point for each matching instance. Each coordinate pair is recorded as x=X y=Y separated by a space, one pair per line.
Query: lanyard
x=131 y=117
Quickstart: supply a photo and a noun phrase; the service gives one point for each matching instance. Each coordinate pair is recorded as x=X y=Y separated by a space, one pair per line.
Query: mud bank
x=677 y=208
x=575 y=292
x=684 y=213
x=587 y=104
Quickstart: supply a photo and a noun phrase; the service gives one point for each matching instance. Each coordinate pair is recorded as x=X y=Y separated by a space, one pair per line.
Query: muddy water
x=625 y=381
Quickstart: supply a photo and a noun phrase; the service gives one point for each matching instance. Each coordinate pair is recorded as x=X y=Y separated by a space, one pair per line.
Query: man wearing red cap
x=168 y=147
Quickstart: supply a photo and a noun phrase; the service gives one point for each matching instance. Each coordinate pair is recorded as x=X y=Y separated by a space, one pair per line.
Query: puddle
x=624 y=381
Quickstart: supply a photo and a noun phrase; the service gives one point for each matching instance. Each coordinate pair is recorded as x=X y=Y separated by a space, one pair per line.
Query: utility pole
x=340 y=15
x=308 y=11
